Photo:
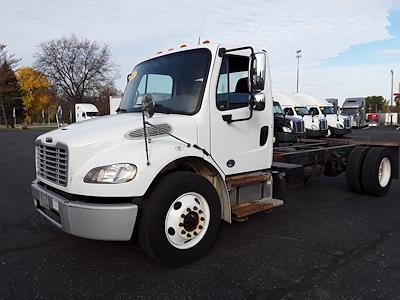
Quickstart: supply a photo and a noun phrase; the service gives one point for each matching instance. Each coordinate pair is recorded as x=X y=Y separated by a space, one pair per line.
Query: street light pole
x=391 y=98
x=298 y=55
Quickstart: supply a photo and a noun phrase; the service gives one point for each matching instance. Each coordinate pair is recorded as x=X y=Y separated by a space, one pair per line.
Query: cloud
x=388 y=52
x=138 y=29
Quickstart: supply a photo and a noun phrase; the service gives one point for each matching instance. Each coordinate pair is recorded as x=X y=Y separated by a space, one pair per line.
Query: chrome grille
x=298 y=126
x=161 y=130
x=323 y=124
x=52 y=163
x=347 y=123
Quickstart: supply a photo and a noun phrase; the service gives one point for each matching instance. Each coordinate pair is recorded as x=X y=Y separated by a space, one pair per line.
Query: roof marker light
x=159 y=52
x=170 y=49
x=206 y=42
x=183 y=46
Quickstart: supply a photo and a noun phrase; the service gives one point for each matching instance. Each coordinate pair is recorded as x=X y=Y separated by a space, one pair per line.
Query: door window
x=233 y=90
x=288 y=111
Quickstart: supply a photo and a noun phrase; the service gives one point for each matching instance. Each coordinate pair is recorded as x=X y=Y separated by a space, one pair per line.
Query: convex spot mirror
x=148 y=105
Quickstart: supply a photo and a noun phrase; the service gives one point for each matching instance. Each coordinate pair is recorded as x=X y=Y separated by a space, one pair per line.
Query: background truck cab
x=85 y=111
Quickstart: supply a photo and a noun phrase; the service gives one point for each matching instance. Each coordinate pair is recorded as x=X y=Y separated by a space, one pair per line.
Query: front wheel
x=179 y=219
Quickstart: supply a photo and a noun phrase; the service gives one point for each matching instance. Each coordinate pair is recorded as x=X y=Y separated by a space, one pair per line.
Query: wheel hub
x=190 y=221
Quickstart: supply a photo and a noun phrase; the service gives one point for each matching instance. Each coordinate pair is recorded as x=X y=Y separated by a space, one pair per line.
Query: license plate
x=44 y=200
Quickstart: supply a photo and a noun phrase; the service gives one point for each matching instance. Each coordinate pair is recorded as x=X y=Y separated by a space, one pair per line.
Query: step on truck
x=192 y=145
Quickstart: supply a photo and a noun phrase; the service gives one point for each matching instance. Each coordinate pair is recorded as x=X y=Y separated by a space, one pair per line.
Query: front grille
x=52 y=163
x=347 y=122
x=298 y=126
x=323 y=124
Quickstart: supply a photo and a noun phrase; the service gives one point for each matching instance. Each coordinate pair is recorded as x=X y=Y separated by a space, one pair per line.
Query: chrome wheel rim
x=187 y=220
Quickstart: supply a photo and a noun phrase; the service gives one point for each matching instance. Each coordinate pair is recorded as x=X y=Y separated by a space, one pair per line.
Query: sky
x=348 y=46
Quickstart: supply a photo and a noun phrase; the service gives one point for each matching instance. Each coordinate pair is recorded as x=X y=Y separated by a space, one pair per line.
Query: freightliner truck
x=192 y=145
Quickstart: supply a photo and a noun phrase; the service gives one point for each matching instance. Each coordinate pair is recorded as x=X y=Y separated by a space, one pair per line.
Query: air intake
x=161 y=130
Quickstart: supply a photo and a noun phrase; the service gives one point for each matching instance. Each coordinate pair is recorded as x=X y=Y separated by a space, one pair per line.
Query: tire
x=354 y=168
x=161 y=211
x=377 y=172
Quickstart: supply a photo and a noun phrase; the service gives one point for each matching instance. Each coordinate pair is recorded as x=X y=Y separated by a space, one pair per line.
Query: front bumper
x=340 y=131
x=316 y=133
x=112 y=222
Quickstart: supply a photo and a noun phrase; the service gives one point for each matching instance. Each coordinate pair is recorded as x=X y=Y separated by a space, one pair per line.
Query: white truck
x=316 y=126
x=85 y=111
x=192 y=144
x=338 y=125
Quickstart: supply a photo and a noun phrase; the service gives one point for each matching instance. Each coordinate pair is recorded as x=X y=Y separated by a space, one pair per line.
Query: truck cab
x=338 y=125
x=287 y=129
x=356 y=109
x=316 y=126
x=191 y=144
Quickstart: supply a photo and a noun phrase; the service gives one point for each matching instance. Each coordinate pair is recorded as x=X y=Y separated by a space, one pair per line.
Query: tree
x=9 y=89
x=376 y=104
x=76 y=66
x=36 y=92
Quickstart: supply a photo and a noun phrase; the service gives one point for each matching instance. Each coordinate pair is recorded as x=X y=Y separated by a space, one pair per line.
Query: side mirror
x=257 y=72
x=148 y=105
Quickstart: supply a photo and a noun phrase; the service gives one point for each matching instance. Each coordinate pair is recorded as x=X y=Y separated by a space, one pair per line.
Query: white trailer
x=115 y=101
x=192 y=144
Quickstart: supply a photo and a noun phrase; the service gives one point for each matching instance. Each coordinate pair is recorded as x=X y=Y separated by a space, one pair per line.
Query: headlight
x=118 y=173
x=286 y=129
x=314 y=127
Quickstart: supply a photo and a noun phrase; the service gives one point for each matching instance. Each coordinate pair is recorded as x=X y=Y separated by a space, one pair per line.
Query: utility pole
x=298 y=55
x=391 y=98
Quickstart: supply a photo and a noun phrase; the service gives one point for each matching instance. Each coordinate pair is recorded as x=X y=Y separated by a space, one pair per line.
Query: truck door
x=241 y=146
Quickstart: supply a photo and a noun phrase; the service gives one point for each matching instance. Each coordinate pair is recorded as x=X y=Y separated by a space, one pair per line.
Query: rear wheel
x=354 y=168
x=377 y=172
x=179 y=219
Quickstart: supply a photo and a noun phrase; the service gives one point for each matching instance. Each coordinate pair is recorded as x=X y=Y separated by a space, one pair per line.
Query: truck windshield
x=176 y=82
x=302 y=110
x=327 y=110
x=350 y=111
x=277 y=108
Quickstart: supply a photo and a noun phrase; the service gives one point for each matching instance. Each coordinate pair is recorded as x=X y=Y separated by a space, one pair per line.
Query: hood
x=111 y=129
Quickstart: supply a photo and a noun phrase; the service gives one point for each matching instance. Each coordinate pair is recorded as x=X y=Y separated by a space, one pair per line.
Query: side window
x=288 y=111
x=232 y=89
x=159 y=85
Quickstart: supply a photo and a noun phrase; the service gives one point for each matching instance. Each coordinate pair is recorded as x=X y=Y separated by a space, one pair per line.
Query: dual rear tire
x=369 y=170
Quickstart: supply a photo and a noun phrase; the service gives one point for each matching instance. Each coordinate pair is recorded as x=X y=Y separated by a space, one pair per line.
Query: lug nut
x=200 y=227
x=195 y=233
x=195 y=207
x=200 y=211
x=202 y=219
x=183 y=231
x=180 y=224
x=188 y=235
x=182 y=216
x=188 y=209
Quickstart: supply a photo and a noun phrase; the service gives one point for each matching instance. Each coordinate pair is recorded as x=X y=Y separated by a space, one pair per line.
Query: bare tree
x=76 y=66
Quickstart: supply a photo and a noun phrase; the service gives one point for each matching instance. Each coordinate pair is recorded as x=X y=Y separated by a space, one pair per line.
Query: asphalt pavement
x=324 y=243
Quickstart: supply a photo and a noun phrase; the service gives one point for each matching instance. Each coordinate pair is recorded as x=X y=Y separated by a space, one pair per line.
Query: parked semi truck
x=287 y=129
x=85 y=111
x=194 y=145
x=338 y=125
x=356 y=109
x=316 y=126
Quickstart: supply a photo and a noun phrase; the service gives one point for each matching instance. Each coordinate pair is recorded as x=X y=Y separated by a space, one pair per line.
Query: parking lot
x=325 y=242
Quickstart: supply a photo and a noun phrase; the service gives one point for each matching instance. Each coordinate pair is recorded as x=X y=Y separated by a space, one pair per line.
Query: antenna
x=201 y=26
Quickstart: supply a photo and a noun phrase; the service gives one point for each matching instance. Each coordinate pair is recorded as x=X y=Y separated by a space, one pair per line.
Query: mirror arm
x=228 y=118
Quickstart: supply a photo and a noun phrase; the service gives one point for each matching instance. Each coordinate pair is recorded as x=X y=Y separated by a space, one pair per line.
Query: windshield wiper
x=121 y=110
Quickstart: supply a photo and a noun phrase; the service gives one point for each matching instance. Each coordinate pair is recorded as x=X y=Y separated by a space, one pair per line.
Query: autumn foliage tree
x=36 y=92
x=76 y=67
x=9 y=89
